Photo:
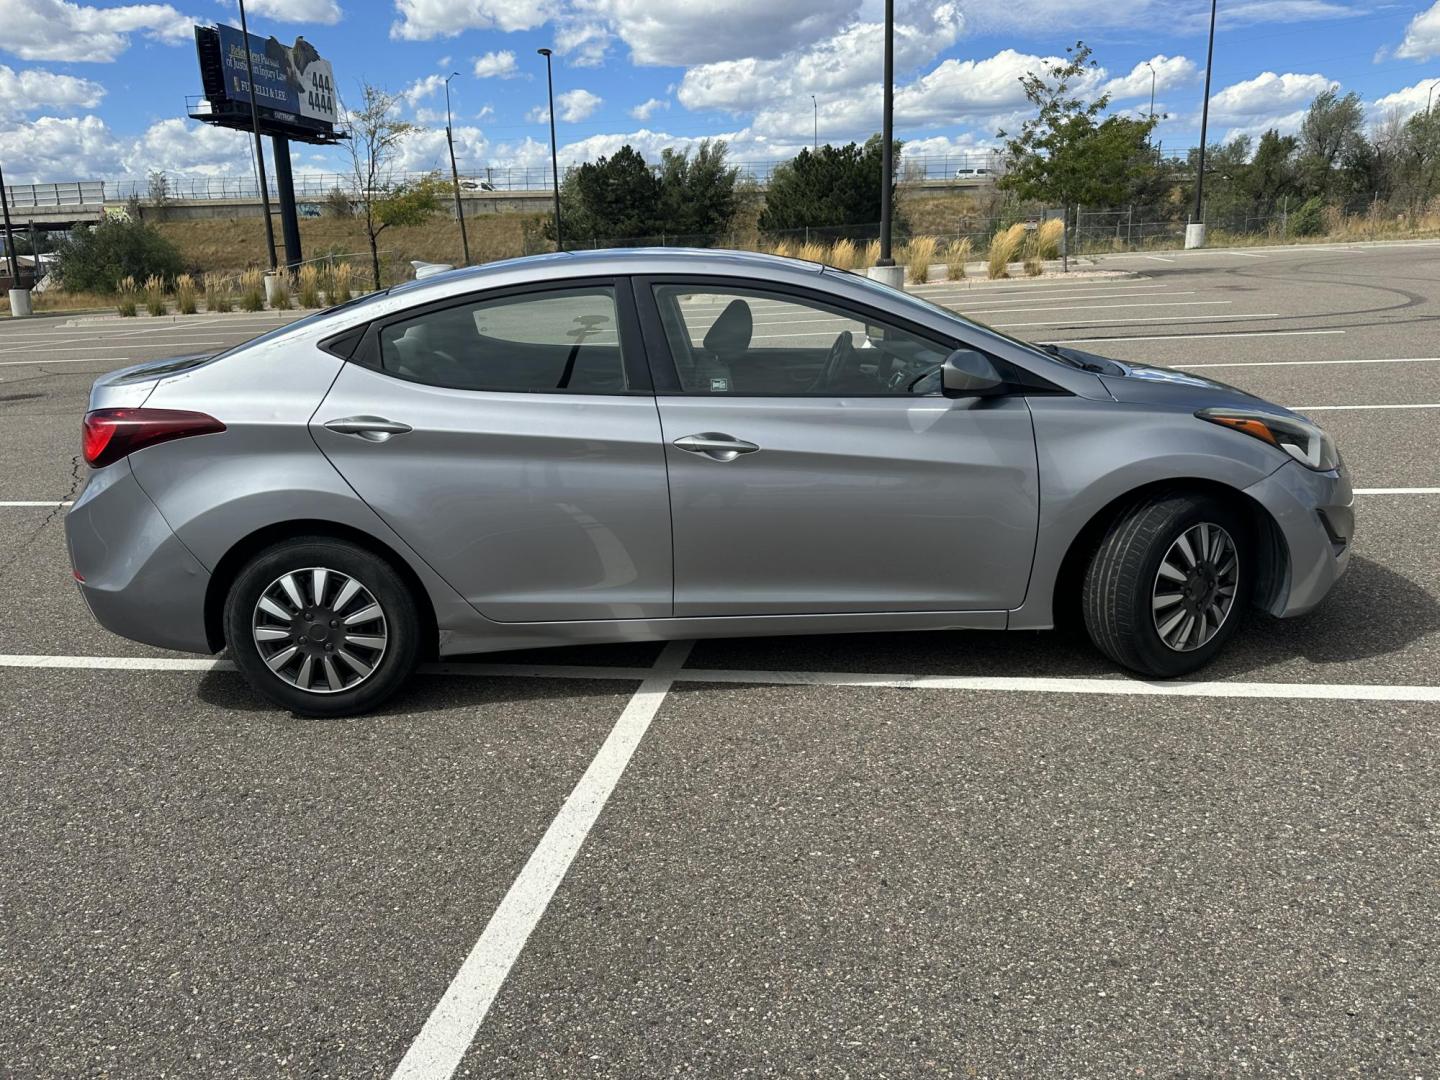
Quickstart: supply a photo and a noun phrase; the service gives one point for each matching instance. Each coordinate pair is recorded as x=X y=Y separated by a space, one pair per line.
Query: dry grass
x=126 y=304
x=280 y=300
x=155 y=295
x=340 y=286
x=307 y=285
x=239 y=244
x=1005 y=249
x=217 y=292
x=252 y=291
x=919 y=254
x=957 y=254
x=784 y=250
x=59 y=300
x=1034 y=265
x=843 y=255
x=1047 y=238
x=186 y=295
x=811 y=251
x=870 y=254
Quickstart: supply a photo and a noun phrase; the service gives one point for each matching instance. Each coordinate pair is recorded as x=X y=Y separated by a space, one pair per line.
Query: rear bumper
x=140 y=581
x=1316 y=518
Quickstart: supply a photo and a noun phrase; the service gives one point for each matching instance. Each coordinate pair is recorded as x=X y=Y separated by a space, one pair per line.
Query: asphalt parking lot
x=951 y=855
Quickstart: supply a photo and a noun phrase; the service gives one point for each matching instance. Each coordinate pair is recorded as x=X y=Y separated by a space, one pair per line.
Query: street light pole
x=887 y=133
x=455 y=173
x=259 y=148
x=816 y=107
x=1152 y=88
x=10 y=236
x=554 y=155
x=1430 y=96
x=1195 y=231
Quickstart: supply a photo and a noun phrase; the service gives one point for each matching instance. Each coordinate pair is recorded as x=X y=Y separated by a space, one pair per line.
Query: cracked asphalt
x=823 y=881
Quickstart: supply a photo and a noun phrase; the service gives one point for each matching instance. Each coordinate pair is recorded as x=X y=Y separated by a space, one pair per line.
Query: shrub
x=340 y=283
x=919 y=254
x=155 y=294
x=843 y=254
x=1004 y=249
x=217 y=292
x=338 y=205
x=1309 y=219
x=956 y=256
x=94 y=258
x=252 y=291
x=1034 y=265
x=128 y=291
x=308 y=285
x=185 y=295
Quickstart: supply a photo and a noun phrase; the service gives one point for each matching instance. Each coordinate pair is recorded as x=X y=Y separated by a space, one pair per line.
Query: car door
x=511 y=438
x=816 y=467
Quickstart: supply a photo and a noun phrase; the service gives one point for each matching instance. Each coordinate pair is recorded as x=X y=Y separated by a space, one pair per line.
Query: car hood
x=1144 y=384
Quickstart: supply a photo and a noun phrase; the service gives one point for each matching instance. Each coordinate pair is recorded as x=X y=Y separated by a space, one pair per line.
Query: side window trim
x=632 y=347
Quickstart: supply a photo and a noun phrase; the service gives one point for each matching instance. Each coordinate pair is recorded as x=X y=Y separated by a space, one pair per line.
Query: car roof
x=602 y=262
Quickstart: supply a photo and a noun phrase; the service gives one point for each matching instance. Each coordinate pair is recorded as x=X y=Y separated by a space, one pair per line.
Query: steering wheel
x=840 y=356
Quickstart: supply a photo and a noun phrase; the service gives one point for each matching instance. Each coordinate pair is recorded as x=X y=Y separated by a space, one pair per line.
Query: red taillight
x=111 y=434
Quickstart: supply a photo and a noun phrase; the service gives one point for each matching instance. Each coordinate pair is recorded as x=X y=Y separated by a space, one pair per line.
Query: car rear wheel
x=1169 y=583
x=322 y=627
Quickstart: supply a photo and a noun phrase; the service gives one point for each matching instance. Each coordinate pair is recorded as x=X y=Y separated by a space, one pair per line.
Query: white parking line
x=1187 y=337
x=113 y=345
x=1157 y=258
x=1311 y=363
x=1096 y=307
x=75 y=360
x=1092 y=295
x=446 y=1035
x=35 y=503
x=1142 y=318
x=1397 y=491
x=1339 y=408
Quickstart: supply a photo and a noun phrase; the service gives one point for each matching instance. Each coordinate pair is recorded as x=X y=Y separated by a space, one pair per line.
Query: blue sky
x=96 y=91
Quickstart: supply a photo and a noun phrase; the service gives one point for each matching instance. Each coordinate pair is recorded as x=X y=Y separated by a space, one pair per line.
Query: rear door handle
x=369 y=428
x=716 y=445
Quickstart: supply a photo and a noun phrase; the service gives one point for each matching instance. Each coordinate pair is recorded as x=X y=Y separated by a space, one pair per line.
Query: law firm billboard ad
x=289 y=79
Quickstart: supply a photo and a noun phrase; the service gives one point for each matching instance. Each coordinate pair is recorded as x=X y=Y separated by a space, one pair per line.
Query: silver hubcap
x=1195 y=587
x=319 y=630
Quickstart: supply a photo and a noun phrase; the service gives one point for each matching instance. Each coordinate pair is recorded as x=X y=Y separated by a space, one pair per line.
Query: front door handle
x=369 y=428
x=716 y=445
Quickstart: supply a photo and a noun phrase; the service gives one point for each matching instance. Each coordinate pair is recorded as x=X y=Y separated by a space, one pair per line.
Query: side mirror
x=967 y=373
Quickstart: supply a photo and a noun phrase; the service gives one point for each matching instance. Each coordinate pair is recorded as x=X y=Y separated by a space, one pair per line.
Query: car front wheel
x=1169 y=583
x=322 y=627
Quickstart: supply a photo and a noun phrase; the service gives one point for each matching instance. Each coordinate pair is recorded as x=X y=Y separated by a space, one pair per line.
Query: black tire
x=1119 y=588
x=401 y=626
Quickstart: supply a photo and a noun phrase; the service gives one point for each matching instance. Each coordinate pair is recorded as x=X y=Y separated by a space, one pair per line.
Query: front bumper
x=1315 y=515
x=139 y=580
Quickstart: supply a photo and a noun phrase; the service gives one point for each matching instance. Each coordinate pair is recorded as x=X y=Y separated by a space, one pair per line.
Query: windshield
x=893 y=296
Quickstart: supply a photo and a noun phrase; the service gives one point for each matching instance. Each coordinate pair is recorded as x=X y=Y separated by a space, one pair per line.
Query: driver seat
x=726 y=344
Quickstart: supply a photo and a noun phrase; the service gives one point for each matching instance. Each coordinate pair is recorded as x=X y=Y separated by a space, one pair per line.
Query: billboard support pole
x=259 y=146
x=10 y=237
x=285 y=192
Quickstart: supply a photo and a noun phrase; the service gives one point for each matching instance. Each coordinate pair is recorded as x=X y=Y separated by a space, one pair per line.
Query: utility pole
x=554 y=155
x=1430 y=96
x=1195 y=231
x=1152 y=88
x=885 y=269
x=10 y=235
x=455 y=173
x=259 y=147
x=815 y=145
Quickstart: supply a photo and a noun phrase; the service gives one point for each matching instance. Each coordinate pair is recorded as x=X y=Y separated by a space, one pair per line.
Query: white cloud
x=423 y=20
x=538 y=115
x=584 y=43
x=1170 y=72
x=53 y=149
x=60 y=30
x=576 y=105
x=35 y=88
x=1422 y=36
x=976 y=91
x=326 y=12
x=420 y=89
x=1051 y=17
x=672 y=34
x=429 y=116
x=1268 y=94
x=643 y=111
x=424 y=150
x=487 y=112
x=178 y=146
x=496 y=65
x=1406 y=102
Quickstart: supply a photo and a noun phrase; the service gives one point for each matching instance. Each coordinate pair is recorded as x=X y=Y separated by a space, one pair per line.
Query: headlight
x=1302 y=440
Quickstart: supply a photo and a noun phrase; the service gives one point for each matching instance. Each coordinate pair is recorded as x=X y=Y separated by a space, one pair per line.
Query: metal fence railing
x=48 y=196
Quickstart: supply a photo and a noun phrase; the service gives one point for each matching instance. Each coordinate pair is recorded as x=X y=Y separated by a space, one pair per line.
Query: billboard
x=294 y=88
x=288 y=78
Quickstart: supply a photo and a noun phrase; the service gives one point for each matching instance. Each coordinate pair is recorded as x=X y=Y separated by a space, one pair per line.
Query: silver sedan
x=646 y=445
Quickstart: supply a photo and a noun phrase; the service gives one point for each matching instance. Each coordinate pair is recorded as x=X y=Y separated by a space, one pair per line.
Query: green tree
x=94 y=258
x=611 y=198
x=1069 y=154
x=698 y=194
x=830 y=187
x=376 y=136
x=1331 y=133
x=1271 y=176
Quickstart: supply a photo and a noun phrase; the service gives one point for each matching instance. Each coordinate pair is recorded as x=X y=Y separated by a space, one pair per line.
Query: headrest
x=731 y=332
